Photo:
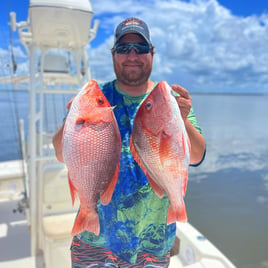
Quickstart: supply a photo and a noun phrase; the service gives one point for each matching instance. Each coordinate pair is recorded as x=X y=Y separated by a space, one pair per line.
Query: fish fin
x=108 y=114
x=68 y=106
x=106 y=196
x=186 y=145
x=165 y=147
x=73 y=190
x=156 y=188
x=176 y=213
x=185 y=180
x=86 y=222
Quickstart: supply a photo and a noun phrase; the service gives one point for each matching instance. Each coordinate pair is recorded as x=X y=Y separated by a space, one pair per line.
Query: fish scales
x=91 y=151
x=160 y=145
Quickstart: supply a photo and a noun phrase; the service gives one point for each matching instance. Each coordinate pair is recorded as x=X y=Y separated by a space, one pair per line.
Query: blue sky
x=204 y=45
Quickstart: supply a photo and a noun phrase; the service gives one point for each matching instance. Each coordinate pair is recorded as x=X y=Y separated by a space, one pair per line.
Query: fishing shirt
x=135 y=219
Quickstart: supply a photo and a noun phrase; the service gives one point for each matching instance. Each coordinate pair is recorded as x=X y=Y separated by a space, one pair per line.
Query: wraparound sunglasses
x=125 y=48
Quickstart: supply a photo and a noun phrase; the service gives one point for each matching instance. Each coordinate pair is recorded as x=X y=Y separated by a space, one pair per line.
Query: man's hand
x=198 y=145
x=184 y=100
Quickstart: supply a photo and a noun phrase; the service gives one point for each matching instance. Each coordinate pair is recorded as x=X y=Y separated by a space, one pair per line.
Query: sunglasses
x=125 y=48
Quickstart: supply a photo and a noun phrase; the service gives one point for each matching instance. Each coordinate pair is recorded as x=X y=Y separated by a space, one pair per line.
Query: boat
x=55 y=36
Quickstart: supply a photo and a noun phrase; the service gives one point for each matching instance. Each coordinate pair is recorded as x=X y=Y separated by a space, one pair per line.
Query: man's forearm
x=198 y=144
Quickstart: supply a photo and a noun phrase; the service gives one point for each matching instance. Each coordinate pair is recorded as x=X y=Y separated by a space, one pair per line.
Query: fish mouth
x=80 y=121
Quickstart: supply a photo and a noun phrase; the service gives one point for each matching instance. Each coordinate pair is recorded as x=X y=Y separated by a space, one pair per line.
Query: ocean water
x=227 y=195
x=14 y=106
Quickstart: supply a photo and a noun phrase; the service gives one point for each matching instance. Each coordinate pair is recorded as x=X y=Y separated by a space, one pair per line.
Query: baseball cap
x=132 y=25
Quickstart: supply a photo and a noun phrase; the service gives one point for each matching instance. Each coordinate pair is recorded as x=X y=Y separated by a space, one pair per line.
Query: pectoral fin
x=156 y=188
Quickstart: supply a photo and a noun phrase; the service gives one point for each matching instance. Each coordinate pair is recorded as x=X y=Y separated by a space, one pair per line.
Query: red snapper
x=160 y=145
x=91 y=152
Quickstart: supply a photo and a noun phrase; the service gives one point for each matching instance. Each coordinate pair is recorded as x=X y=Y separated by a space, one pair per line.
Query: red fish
x=160 y=145
x=91 y=152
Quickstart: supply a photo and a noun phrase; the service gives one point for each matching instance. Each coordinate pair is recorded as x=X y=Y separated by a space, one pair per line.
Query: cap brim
x=134 y=32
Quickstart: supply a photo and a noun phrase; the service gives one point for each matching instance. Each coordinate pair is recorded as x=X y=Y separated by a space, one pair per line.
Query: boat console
x=60 y=24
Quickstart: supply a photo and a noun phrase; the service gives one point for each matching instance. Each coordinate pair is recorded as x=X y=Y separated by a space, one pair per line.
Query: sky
x=217 y=46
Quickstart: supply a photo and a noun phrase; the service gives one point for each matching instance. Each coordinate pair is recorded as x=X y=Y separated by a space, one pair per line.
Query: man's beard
x=132 y=77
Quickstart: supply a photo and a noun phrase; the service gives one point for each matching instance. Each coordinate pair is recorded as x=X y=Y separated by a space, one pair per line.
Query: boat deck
x=192 y=249
x=14 y=237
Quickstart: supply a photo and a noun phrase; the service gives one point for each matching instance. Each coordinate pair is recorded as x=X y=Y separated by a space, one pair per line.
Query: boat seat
x=57 y=198
x=57 y=239
x=58 y=226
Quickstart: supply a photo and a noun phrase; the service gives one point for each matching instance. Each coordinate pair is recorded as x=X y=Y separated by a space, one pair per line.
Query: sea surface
x=227 y=195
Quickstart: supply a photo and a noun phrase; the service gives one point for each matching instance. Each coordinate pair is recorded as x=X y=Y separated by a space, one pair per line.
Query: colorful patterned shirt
x=135 y=219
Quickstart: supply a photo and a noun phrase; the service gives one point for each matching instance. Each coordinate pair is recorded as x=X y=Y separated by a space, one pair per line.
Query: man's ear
x=153 y=50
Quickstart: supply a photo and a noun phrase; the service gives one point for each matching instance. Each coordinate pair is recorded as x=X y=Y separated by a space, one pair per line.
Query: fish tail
x=176 y=213
x=86 y=222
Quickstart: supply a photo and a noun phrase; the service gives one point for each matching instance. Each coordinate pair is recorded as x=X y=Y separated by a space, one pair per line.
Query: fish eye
x=100 y=101
x=148 y=105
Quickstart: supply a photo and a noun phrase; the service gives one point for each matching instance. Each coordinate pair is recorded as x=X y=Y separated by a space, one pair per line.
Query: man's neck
x=137 y=89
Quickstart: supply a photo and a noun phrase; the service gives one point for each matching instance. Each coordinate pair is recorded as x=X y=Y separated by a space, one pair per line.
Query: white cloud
x=199 y=44
x=262 y=200
x=266 y=183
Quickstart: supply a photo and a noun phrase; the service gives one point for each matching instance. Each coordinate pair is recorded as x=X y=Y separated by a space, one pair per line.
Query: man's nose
x=132 y=53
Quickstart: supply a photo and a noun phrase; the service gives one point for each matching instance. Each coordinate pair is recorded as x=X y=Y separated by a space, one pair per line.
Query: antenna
x=12 y=20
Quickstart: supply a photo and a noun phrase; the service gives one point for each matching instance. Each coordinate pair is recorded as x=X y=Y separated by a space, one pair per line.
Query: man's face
x=132 y=69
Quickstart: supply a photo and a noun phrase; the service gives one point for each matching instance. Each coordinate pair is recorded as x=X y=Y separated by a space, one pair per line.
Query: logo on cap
x=131 y=21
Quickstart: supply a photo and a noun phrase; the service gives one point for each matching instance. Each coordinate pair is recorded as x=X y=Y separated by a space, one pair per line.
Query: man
x=133 y=230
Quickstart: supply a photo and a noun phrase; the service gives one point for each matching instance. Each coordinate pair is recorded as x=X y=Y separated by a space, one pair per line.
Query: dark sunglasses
x=125 y=48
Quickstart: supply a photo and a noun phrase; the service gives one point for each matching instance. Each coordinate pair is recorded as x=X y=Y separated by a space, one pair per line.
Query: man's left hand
x=184 y=100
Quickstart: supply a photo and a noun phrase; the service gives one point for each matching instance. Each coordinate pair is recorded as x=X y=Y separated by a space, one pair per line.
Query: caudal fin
x=86 y=222
x=176 y=213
